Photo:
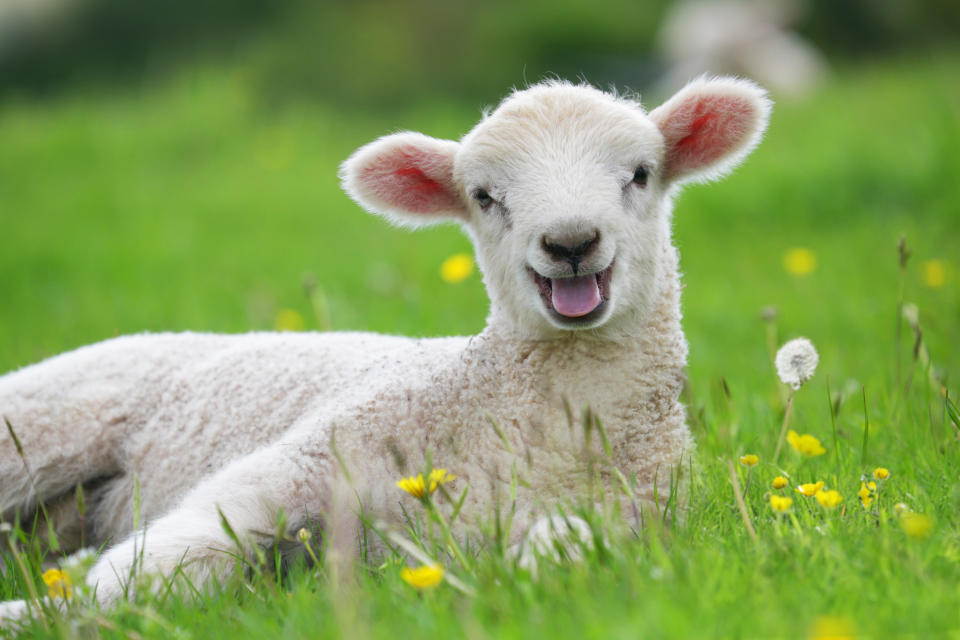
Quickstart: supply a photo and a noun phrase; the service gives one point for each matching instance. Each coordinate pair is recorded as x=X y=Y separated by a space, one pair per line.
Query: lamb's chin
x=592 y=320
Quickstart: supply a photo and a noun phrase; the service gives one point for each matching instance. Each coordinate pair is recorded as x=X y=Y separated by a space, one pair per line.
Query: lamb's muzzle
x=571 y=250
x=575 y=300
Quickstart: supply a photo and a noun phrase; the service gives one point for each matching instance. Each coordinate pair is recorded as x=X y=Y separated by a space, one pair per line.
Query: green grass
x=191 y=205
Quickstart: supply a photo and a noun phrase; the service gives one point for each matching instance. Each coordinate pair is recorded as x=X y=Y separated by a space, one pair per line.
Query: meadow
x=193 y=204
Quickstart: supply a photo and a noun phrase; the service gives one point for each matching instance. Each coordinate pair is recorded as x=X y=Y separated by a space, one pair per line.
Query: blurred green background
x=172 y=166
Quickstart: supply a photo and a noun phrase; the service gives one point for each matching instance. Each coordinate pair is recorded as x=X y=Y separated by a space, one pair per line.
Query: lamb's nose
x=572 y=249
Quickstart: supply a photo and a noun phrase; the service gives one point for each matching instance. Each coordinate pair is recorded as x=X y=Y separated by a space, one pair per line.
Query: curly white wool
x=796 y=362
x=216 y=428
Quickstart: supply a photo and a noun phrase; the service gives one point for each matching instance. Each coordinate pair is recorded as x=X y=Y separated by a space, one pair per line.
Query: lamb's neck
x=616 y=370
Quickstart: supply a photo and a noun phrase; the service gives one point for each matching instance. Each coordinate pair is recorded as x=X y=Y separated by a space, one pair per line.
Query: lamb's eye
x=640 y=176
x=483 y=198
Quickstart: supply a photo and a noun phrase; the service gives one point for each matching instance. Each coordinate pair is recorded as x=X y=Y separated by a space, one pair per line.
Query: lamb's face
x=565 y=192
x=566 y=207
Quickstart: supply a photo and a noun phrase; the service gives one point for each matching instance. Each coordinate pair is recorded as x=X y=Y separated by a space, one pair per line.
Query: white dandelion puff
x=796 y=361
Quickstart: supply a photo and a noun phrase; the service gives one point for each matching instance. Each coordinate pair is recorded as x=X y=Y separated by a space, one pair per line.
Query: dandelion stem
x=866 y=428
x=740 y=503
x=903 y=255
x=34 y=598
x=452 y=544
x=318 y=302
x=783 y=429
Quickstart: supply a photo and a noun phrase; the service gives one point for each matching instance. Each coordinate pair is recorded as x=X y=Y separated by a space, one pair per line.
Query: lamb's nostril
x=570 y=249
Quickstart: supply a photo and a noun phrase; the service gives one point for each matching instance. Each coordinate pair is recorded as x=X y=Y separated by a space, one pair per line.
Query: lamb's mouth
x=575 y=300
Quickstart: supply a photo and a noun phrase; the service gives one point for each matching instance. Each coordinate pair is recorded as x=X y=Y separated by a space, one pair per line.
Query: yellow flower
x=829 y=499
x=779 y=482
x=416 y=486
x=866 y=495
x=456 y=268
x=832 y=628
x=916 y=525
x=799 y=261
x=58 y=583
x=810 y=489
x=425 y=577
x=934 y=273
x=288 y=320
x=780 y=503
x=749 y=460
x=805 y=444
x=881 y=473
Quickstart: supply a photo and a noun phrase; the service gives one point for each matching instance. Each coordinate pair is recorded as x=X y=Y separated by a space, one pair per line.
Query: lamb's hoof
x=12 y=612
x=556 y=538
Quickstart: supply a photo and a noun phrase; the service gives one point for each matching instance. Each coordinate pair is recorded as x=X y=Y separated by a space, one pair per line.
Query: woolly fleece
x=560 y=180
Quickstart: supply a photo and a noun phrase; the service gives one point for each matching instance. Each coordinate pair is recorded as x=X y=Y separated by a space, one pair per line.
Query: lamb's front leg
x=295 y=475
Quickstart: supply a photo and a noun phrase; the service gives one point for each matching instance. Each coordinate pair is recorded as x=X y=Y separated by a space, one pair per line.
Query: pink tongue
x=575 y=297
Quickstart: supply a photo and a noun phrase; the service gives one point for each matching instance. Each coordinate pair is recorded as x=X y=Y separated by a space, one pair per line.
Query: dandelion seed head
x=796 y=362
x=911 y=313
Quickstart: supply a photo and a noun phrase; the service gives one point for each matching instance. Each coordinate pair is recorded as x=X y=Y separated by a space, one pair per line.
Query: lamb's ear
x=405 y=177
x=710 y=126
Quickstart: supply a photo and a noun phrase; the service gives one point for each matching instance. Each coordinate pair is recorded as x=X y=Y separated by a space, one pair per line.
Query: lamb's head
x=565 y=191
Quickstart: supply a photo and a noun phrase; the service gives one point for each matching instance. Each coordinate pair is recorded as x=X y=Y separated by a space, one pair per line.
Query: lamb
x=566 y=194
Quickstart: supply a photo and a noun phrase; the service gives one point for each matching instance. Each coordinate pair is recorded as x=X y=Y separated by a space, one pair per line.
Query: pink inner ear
x=414 y=180
x=702 y=130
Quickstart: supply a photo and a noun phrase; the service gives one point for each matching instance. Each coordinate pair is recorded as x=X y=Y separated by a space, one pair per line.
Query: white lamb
x=566 y=193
